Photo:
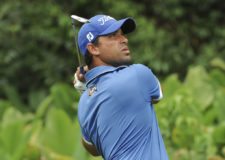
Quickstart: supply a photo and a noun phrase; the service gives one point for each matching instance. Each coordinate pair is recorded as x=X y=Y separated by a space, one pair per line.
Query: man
x=115 y=112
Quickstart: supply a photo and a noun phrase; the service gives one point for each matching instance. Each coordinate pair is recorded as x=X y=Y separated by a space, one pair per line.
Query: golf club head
x=79 y=19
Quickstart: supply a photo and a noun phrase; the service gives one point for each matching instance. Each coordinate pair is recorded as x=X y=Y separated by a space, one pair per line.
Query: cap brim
x=127 y=25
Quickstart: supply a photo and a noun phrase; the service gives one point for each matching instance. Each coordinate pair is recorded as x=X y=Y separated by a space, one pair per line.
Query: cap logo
x=90 y=36
x=104 y=19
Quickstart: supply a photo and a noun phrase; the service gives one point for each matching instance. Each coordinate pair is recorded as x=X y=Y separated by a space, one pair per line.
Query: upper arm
x=158 y=95
x=150 y=85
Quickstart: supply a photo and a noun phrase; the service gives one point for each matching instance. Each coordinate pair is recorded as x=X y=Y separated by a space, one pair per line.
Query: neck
x=96 y=63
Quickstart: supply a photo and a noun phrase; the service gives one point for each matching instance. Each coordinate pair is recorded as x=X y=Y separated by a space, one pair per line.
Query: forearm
x=90 y=148
x=155 y=101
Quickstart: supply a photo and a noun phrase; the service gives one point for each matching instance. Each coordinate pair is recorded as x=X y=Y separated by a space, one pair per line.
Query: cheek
x=110 y=48
x=111 y=45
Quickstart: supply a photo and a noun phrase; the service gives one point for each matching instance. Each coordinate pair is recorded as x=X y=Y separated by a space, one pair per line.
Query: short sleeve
x=86 y=137
x=149 y=83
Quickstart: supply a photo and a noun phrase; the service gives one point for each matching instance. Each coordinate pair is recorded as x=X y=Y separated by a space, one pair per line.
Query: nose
x=124 y=39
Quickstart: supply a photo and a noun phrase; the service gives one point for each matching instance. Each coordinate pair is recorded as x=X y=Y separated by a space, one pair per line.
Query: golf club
x=78 y=85
x=81 y=20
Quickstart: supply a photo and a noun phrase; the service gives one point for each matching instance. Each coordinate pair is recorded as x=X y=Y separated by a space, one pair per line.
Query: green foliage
x=59 y=133
x=200 y=88
x=13 y=136
x=61 y=96
x=13 y=96
x=191 y=116
x=36 y=45
x=4 y=105
x=61 y=137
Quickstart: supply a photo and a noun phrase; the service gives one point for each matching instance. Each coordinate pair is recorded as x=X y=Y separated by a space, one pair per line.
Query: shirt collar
x=100 y=70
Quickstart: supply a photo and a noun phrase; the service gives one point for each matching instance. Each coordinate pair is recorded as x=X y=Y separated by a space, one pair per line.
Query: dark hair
x=88 y=56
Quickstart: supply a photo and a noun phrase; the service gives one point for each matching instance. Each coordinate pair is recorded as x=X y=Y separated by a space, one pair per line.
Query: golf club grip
x=82 y=71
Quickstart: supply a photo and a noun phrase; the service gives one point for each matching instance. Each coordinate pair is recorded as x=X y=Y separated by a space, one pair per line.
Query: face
x=113 y=49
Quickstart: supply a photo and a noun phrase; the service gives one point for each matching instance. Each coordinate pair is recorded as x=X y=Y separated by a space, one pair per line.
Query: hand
x=79 y=80
x=79 y=74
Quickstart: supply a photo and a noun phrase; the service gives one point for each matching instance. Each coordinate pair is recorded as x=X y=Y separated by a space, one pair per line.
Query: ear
x=93 y=50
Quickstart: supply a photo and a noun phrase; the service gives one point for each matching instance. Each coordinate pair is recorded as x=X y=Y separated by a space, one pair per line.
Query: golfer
x=116 y=112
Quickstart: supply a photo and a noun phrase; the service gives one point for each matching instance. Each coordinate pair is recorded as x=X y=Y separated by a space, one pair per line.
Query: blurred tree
x=180 y=33
x=36 y=45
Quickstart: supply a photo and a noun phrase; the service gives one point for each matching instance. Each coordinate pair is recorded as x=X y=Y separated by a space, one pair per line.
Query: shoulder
x=141 y=69
x=144 y=74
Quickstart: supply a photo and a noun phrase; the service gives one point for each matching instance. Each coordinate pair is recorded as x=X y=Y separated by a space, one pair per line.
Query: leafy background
x=183 y=41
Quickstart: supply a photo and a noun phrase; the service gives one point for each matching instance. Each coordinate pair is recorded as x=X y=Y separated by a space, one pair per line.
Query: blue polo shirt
x=116 y=115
